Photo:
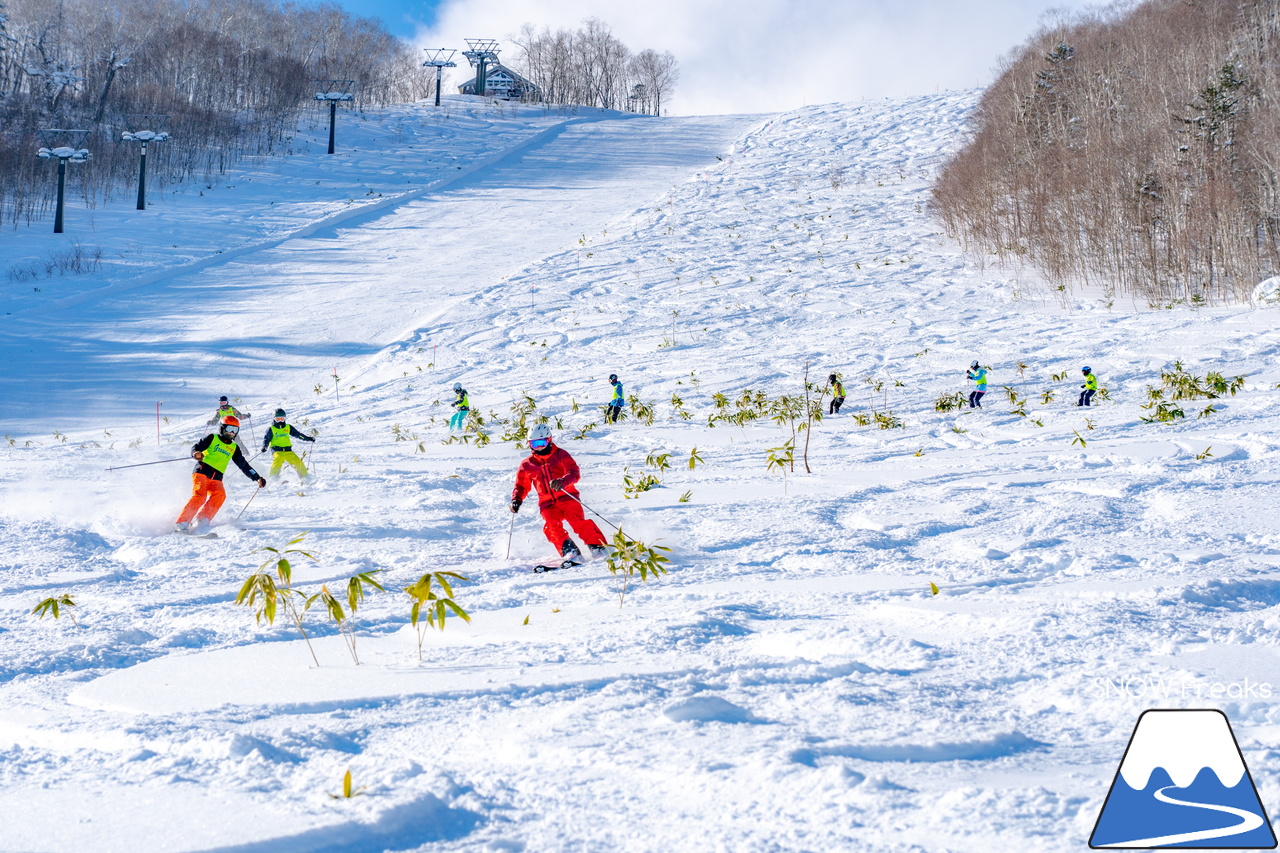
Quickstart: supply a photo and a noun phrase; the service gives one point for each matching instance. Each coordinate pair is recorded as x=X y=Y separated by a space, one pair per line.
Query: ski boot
x=569 y=554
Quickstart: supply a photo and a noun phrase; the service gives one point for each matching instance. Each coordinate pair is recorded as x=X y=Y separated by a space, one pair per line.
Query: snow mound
x=708 y=709
x=1268 y=292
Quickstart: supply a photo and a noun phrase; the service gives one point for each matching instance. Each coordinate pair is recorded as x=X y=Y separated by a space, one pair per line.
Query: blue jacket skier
x=614 y=411
x=979 y=375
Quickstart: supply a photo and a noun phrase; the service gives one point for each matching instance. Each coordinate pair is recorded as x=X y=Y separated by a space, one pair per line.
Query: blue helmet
x=1086 y=369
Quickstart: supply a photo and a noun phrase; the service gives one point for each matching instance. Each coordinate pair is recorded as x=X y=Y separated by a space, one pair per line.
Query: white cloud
x=773 y=55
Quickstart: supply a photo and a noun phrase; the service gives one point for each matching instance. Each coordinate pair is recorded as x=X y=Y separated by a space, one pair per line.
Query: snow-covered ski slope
x=792 y=684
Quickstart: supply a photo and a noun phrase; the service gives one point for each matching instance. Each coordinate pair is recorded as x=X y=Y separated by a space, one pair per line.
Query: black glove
x=557 y=484
x=515 y=504
x=262 y=482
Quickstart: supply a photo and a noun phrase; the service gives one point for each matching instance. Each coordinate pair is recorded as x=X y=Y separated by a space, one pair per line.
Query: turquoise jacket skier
x=462 y=404
x=979 y=375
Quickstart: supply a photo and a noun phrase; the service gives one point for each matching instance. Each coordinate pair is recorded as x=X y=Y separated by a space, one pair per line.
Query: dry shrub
x=1136 y=149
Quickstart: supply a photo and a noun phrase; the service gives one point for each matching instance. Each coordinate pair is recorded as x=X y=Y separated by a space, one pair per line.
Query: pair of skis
x=566 y=563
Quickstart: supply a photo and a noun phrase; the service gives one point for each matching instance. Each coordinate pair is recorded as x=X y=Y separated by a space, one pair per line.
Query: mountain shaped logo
x=1183 y=783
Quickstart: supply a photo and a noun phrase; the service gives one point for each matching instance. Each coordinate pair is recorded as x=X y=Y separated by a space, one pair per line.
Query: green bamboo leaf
x=246 y=591
x=453 y=605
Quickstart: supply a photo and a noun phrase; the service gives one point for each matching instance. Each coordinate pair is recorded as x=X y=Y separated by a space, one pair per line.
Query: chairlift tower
x=439 y=59
x=148 y=129
x=65 y=145
x=482 y=53
x=333 y=92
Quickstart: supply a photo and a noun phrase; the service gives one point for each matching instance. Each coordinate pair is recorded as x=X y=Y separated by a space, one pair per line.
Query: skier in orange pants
x=212 y=454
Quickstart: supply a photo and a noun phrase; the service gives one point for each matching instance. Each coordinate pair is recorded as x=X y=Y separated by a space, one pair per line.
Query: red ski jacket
x=537 y=472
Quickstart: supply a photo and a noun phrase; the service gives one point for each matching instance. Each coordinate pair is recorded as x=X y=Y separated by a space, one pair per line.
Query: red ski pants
x=207 y=496
x=555 y=516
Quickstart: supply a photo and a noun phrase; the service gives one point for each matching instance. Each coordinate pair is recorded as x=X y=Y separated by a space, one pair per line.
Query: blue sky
x=761 y=55
x=402 y=17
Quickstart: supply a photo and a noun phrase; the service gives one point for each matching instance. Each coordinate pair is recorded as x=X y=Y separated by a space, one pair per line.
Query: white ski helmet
x=539 y=432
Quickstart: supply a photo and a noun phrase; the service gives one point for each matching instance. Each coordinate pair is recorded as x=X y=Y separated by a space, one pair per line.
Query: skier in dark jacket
x=837 y=393
x=551 y=471
x=213 y=454
x=226 y=410
x=1088 y=388
x=279 y=437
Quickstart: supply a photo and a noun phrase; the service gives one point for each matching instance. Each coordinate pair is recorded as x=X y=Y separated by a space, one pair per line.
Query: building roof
x=518 y=81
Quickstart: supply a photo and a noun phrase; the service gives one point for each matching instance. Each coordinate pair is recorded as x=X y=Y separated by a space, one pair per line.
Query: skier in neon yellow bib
x=279 y=437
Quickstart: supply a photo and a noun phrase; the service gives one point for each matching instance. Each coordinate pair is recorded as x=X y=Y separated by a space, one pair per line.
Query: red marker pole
x=157 y=424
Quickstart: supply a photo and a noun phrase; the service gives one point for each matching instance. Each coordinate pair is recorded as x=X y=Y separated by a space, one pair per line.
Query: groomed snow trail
x=320 y=300
x=791 y=684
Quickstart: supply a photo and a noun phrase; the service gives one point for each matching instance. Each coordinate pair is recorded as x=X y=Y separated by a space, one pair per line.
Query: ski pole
x=141 y=464
x=510 y=533
x=251 y=497
x=597 y=515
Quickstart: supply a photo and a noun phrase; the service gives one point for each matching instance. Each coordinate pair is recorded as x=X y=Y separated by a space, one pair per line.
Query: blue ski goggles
x=538 y=443
x=230 y=430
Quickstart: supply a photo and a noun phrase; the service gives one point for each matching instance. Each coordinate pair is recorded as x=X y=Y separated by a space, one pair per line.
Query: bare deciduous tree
x=591 y=67
x=233 y=75
x=656 y=76
x=1135 y=148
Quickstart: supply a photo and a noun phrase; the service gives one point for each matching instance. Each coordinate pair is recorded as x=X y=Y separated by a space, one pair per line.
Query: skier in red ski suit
x=552 y=472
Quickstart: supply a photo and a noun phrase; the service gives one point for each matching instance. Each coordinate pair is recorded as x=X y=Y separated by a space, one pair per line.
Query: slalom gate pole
x=251 y=497
x=596 y=514
x=141 y=464
x=510 y=532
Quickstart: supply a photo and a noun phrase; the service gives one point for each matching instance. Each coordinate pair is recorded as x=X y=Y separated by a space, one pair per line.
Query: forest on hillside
x=232 y=77
x=1136 y=149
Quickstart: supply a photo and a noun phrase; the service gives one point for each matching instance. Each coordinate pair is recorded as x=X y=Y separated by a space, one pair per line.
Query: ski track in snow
x=791 y=684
